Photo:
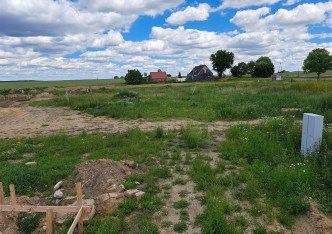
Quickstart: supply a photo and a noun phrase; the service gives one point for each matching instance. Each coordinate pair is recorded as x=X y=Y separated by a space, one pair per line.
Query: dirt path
x=43 y=121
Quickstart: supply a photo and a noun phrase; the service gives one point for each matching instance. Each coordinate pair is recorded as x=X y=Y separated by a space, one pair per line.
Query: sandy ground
x=28 y=121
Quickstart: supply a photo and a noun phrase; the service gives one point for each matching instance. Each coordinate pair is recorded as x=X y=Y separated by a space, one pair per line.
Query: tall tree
x=263 y=67
x=251 y=67
x=242 y=68
x=179 y=75
x=221 y=61
x=134 y=77
x=235 y=71
x=318 y=61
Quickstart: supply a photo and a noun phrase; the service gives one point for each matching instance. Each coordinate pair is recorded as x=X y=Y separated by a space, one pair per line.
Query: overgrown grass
x=228 y=100
x=272 y=154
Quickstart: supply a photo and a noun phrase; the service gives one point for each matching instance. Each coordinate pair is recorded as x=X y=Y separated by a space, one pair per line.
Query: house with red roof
x=158 y=76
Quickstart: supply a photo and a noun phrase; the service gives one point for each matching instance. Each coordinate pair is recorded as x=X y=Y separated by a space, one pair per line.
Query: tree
x=134 y=77
x=222 y=60
x=242 y=69
x=251 y=68
x=235 y=71
x=263 y=67
x=179 y=76
x=318 y=61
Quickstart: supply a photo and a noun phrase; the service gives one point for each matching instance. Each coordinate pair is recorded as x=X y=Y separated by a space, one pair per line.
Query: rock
x=92 y=210
x=44 y=228
x=112 y=188
x=58 y=185
x=115 y=195
x=103 y=198
x=137 y=183
x=139 y=195
x=130 y=164
x=30 y=163
x=122 y=187
x=128 y=173
x=131 y=192
x=109 y=181
x=58 y=194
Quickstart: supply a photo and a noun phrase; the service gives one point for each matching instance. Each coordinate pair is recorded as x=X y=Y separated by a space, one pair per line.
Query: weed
x=260 y=230
x=164 y=212
x=285 y=220
x=161 y=172
x=184 y=215
x=180 y=227
x=128 y=206
x=241 y=221
x=159 y=133
x=179 y=181
x=166 y=224
x=166 y=186
x=181 y=204
x=183 y=193
x=27 y=223
x=194 y=137
x=147 y=227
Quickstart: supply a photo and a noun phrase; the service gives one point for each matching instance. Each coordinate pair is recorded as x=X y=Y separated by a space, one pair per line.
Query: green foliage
x=285 y=220
x=127 y=206
x=179 y=75
x=134 y=77
x=235 y=71
x=278 y=169
x=159 y=133
x=27 y=223
x=180 y=227
x=105 y=225
x=181 y=204
x=222 y=60
x=194 y=137
x=162 y=172
x=126 y=96
x=239 y=70
x=5 y=91
x=318 y=61
x=263 y=67
x=147 y=227
x=260 y=230
x=251 y=67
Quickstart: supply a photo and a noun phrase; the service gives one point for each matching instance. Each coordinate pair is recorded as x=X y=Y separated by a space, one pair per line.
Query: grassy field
x=62 y=83
x=252 y=179
x=240 y=99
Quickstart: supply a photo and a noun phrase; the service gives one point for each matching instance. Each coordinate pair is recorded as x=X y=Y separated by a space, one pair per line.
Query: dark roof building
x=158 y=76
x=201 y=72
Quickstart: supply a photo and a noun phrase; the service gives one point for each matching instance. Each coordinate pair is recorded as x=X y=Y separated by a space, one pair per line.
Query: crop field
x=208 y=174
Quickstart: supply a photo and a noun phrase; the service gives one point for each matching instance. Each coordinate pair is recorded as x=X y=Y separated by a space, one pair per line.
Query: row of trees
x=223 y=60
x=317 y=61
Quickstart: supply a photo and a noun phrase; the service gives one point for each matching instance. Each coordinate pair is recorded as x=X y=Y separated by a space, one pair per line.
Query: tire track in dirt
x=28 y=121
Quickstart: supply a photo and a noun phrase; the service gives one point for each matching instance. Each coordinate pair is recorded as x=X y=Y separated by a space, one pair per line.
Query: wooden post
x=2 y=202
x=79 y=204
x=49 y=221
x=13 y=199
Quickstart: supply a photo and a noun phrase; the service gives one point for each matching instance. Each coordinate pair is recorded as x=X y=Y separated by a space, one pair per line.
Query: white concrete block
x=312 y=133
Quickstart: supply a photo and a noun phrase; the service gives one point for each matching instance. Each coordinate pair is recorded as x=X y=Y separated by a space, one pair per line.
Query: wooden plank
x=49 y=221
x=2 y=202
x=13 y=199
x=12 y=195
x=40 y=209
x=76 y=220
x=79 y=204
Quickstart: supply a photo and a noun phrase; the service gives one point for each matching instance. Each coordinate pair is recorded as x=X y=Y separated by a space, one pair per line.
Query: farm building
x=201 y=72
x=158 y=76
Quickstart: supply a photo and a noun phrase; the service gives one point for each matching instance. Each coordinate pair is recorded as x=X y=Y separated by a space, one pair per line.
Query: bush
x=126 y=96
x=134 y=77
x=27 y=223
x=194 y=137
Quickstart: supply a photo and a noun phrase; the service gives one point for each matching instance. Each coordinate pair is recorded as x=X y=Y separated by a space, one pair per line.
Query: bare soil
x=28 y=121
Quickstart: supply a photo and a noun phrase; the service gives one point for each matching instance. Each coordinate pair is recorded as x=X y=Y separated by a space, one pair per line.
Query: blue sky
x=88 y=39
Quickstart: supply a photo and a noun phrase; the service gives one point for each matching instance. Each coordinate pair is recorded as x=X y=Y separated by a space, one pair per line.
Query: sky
x=96 y=39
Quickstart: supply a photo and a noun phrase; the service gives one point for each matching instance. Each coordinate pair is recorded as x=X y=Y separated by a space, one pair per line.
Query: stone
x=103 y=197
x=92 y=210
x=130 y=164
x=112 y=188
x=44 y=228
x=30 y=163
x=122 y=187
x=137 y=183
x=312 y=132
x=58 y=194
x=58 y=185
x=115 y=195
x=139 y=195
x=130 y=193
x=109 y=181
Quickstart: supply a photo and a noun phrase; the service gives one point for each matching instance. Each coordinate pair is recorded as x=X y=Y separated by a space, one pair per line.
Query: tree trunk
x=318 y=76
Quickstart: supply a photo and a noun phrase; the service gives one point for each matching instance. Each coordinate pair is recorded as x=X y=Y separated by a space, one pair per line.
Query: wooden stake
x=49 y=221
x=2 y=202
x=13 y=199
x=79 y=204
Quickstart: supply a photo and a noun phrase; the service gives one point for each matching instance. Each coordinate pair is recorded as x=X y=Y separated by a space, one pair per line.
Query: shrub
x=134 y=77
x=194 y=137
x=126 y=96
x=27 y=223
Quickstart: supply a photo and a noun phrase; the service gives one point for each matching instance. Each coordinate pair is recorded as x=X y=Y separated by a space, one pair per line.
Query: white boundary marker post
x=312 y=132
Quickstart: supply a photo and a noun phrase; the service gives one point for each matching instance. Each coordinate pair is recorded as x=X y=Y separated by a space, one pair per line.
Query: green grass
x=210 y=101
x=61 y=83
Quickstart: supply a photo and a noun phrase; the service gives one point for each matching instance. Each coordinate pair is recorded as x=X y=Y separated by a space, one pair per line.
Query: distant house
x=201 y=72
x=158 y=76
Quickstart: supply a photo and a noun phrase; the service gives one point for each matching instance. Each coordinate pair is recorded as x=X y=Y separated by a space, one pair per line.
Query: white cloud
x=246 y=3
x=199 y=13
x=291 y=2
